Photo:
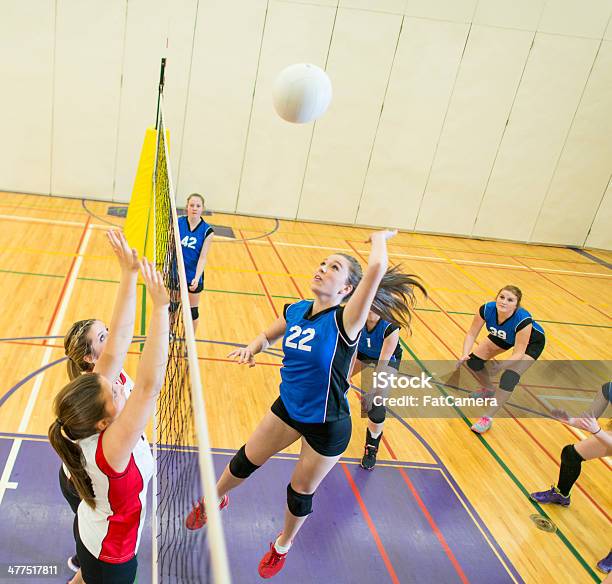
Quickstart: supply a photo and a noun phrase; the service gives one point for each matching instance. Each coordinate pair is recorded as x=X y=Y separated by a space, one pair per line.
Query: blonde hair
x=395 y=298
x=78 y=408
x=77 y=346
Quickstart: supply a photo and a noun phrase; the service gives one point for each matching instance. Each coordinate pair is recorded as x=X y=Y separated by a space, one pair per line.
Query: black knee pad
x=195 y=313
x=475 y=363
x=377 y=414
x=606 y=390
x=240 y=466
x=299 y=504
x=509 y=380
x=570 y=456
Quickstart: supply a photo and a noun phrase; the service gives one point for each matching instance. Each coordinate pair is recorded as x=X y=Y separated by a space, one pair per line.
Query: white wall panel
x=522 y=14
x=451 y=10
x=421 y=83
x=600 y=235
x=88 y=60
x=152 y=33
x=393 y=6
x=584 y=168
x=608 y=33
x=547 y=99
x=277 y=150
x=359 y=65
x=489 y=75
x=223 y=73
x=26 y=46
x=576 y=17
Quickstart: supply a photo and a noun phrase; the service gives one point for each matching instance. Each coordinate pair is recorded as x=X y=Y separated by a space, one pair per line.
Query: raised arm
x=121 y=331
x=201 y=261
x=260 y=343
x=123 y=434
x=470 y=338
x=356 y=310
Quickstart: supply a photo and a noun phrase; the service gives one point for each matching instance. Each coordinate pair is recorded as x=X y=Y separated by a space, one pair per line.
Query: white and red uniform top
x=111 y=532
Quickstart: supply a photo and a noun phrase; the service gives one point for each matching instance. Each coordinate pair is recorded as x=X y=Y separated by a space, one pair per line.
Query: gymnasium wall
x=485 y=118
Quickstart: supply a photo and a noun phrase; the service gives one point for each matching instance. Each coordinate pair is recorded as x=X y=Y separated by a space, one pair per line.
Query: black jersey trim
x=524 y=323
x=343 y=333
x=481 y=311
x=209 y=231
x=393 y=328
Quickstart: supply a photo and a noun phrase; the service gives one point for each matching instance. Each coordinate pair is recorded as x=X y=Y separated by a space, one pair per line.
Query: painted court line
x=53 y=330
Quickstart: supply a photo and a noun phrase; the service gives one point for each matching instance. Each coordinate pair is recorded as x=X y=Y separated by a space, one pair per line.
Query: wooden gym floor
x=55 y=267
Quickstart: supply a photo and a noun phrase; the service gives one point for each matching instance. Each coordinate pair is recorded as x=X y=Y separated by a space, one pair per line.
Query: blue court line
x=593 y=258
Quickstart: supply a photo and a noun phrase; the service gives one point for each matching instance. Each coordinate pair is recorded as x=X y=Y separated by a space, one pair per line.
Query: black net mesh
x=182 y=554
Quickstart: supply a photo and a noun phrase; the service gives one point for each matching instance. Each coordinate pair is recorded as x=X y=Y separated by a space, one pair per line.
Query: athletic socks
x=570 y=469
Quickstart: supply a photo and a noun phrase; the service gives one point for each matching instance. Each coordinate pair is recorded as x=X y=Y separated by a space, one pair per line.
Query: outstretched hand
x=154 y=282
x=243 y=356
x=127 y=257
x=385 y=234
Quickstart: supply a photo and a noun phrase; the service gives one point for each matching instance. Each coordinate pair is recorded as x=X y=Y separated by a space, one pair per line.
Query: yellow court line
x=467 y=509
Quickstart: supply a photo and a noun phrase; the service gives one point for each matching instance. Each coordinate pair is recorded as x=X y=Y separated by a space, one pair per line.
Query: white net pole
x=216 y=541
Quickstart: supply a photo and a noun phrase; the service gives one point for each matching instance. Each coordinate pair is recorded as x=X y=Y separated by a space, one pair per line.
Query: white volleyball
x=301 y=93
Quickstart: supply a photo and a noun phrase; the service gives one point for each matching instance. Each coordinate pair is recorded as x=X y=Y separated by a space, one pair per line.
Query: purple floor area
x=337 y=544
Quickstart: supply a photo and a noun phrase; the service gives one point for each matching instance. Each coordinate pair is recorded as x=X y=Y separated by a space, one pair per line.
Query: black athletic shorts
x=96 y=571
x=174 y=285
x=326 y=438
x=367 y=361
x=534 y=349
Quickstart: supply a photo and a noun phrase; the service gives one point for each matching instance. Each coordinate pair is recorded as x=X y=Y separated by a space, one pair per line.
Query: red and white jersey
x=111 y=532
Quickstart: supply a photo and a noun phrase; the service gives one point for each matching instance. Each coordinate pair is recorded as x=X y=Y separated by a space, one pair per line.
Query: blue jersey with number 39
x=507 y=329
x=192 y=242
x=316 y=365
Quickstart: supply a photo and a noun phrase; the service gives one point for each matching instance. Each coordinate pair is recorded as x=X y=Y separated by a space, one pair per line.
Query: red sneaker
x=197 y=516
x=272 y=563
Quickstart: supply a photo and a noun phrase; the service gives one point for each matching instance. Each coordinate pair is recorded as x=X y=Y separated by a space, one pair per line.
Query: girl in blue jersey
x=196 y=238
x=509 y=326
x=598 y=445
x=320 y=339
x=379 y=342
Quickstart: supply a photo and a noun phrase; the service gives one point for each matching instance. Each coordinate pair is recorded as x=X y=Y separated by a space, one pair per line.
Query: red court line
x=297 y=288
x=504 y=407
x=67 y=278
x=434 y=527
x=562 y=288
x=258 y=275
x=366 y=514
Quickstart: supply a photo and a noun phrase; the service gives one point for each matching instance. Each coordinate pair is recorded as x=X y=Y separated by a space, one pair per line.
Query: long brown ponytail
x=77 y=346
x=78 y=407
x=395 y=298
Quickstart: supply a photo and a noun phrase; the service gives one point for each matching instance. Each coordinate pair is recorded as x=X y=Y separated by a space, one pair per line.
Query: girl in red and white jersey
x=98 y=434
x=86 y=340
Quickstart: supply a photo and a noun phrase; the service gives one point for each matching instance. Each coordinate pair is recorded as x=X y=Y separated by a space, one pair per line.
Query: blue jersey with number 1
x=316 y=365
x=192 y=242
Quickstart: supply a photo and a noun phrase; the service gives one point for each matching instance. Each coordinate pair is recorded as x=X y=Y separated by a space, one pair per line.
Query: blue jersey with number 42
x=192 y=242
x=316 y=365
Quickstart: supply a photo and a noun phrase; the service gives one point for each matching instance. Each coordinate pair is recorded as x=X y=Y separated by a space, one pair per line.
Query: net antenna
x=184 y=469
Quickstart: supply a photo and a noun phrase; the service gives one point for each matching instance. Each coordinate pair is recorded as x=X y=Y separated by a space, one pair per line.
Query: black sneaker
x=369 y=457
x=74 y=564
